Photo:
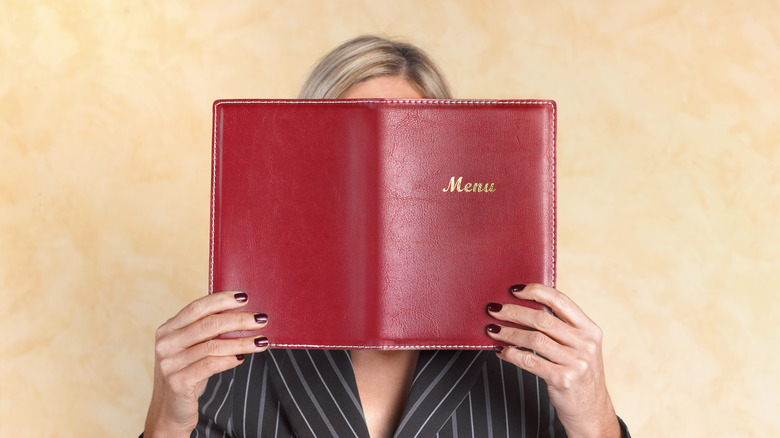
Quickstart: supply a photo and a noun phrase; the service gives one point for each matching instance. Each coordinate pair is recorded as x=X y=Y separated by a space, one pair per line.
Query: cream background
x=668 y=155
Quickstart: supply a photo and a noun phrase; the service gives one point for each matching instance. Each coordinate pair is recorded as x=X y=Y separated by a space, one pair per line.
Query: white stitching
x=553 y=219
x=417 y=101
x=213 y=191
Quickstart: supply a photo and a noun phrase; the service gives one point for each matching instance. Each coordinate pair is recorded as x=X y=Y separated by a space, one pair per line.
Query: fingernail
x=240 y=357
x=261 y=318
x=261 y=342
x=241 y=297
x=516 y=288
x=498 y=349
x=494 y=307
x=493 y=328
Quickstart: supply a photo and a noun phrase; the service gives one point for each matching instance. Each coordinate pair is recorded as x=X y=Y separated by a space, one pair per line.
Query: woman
x=365 y=393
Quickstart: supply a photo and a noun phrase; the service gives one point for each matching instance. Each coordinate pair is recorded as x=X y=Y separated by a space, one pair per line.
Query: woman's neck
x=383 y=381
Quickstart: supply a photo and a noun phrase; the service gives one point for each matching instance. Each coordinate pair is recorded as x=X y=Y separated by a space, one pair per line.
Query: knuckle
x=529 y=360
x=591 y=348
x=162 y=348
x=566 y=381
x=561 y=300
x=193 y=309
x=178 y=382
x=513 y=313
x=538 y=340
x=211 y=365
x=543 y=320
x=533 y=289
x=166 y=366
x=161 y=331
x=507 y=311
x=581 y=366
x=210 y=325
x=213 y=347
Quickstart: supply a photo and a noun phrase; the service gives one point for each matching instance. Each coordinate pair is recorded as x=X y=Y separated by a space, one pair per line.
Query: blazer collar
x=318 y=391
x=442 y=380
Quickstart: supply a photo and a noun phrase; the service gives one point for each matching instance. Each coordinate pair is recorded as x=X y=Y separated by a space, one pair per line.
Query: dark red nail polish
x=493 y=328
x=241 y=297
x=494 y=307
x=516 y=288
x=261 y=318
x=261 y=342
x=240 y=356
x=498 y=349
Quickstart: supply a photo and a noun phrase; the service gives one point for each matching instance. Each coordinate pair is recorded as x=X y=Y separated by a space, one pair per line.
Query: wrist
x=601 y=422
x=161 y=422
x=159 y=430
x=603 y=429
x=159 y=433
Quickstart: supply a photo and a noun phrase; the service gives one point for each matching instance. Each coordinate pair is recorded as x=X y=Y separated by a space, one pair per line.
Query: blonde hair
x=368 y=57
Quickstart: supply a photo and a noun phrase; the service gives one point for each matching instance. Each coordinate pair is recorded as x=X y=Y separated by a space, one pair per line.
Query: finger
x=560 y=303
x=204 y=306
x=207 y=328
x=532 y=363
x=535 y=319
x=531 y=340
x=187 y=379
x=213 y=347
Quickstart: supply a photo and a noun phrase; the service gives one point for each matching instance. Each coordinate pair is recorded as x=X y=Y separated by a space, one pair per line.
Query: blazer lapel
x=442 y=380
x=318 y=392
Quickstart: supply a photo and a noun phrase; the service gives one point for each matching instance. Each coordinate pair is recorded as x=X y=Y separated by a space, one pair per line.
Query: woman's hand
x=187 y=354
x=569 y=357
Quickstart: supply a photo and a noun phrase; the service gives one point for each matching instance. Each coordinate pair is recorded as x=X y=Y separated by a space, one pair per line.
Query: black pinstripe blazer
x=312 y=393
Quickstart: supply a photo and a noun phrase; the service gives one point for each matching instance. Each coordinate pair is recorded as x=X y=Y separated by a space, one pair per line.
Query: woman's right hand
x=187 y=353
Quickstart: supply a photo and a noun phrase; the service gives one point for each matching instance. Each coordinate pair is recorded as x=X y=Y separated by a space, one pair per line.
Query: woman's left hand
x=568 y=358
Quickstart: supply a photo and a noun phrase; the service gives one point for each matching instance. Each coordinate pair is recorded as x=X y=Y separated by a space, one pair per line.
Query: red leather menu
x=386 y=224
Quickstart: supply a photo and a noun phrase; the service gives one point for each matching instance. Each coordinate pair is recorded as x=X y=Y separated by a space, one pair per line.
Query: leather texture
x=344 y=221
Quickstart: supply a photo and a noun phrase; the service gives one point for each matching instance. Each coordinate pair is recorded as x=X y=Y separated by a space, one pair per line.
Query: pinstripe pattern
x=312 y=393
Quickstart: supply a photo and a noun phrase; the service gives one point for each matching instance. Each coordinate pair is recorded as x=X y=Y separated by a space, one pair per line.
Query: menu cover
x=381 y=223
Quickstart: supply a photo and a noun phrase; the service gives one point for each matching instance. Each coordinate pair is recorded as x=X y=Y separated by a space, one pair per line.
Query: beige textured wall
x=669 y=137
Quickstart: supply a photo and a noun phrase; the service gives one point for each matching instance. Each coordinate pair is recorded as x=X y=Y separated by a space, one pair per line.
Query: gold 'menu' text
x=455 y=185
